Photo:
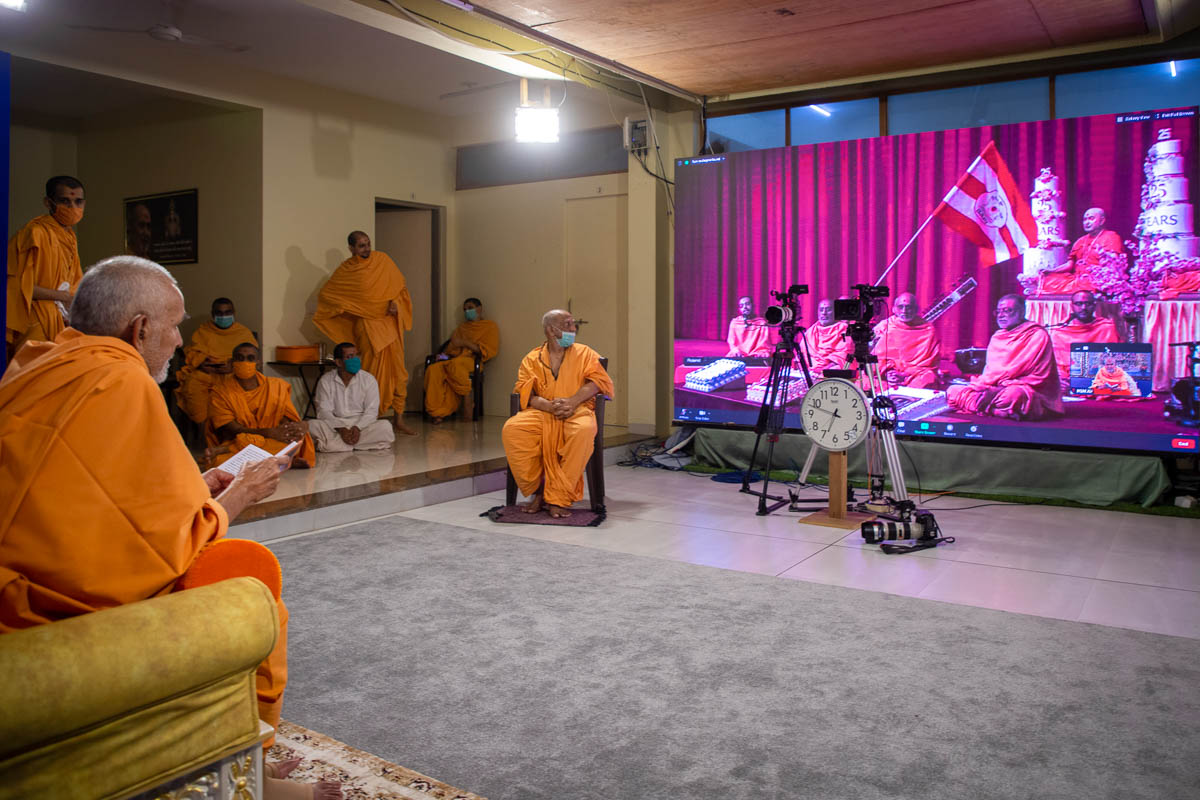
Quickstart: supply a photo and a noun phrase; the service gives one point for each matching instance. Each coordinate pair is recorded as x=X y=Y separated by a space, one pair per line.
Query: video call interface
x=1042 y=273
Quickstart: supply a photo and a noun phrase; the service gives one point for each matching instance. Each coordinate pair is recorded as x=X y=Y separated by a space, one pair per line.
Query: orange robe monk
x=265 y=406
x=101 y=503
x=749 y=337
x=1100 y=329
x=828 y=347
x=1113 y=381
x=43 y=253
x=1180 y=283
x=910 y=349
x=209 y=345
x=1086 y=253
x=541 y=447
x=447 y=381
x=353 y=307
x=1020 y=380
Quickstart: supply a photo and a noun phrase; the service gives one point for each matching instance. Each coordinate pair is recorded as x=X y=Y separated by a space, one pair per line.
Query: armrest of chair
x=68 y=676
x=514 y=404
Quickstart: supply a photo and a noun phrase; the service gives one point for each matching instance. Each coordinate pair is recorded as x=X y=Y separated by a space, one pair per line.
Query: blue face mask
x=352 y=364
x=566 y=338
x=472 y=314
x=223 y=321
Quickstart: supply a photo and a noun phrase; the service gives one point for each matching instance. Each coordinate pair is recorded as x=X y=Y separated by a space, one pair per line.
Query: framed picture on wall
x=163 y=227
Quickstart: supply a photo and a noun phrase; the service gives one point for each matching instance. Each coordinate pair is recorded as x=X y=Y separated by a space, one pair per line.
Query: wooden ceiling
x=729 y=47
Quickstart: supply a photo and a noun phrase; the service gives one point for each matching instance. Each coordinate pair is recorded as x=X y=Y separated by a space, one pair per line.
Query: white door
x=406 y=234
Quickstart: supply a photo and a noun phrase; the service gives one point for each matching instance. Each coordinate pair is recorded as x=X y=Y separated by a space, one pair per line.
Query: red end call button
x=1183 y=444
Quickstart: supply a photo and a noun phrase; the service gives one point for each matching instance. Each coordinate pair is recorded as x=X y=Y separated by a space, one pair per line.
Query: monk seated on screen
x=1020 y=380
x=1082 y=326
x=206 y=358
x=1086 y=256
x=748 y=335
x=102 y=503
x=908 y=347
x=548 y=443
x=828 y=345
x=448 y=379
x=1113 y=381
x=247 y=407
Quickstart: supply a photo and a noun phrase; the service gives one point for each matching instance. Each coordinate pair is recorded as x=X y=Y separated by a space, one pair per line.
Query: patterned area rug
x=363 y=776
x=580 y=517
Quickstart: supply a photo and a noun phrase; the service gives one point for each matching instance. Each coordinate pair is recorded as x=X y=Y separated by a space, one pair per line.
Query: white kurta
x=349 y=405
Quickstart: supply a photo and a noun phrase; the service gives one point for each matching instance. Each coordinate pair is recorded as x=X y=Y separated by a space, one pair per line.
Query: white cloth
x=352 y=405
x=376 y=436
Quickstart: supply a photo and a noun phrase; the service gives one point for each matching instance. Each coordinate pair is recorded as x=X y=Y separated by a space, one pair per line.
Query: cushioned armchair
x=151 y=695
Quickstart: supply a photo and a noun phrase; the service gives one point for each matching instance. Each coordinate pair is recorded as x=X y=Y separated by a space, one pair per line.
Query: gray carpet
x=523 y=669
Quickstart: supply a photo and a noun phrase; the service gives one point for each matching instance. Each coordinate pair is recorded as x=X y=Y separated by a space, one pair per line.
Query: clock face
x=836 y=414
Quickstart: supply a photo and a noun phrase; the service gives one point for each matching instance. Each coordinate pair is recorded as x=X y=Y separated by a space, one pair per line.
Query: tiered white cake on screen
x=1166 y=221
x=1051 y=248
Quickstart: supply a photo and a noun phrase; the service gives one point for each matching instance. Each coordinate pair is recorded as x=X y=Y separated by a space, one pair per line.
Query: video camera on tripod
x=861 y=309
x=788 y=310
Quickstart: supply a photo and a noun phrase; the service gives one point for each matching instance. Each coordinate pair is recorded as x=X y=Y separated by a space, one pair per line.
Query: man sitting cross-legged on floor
x=548 y=443
x=348 y=407
x=247 y=407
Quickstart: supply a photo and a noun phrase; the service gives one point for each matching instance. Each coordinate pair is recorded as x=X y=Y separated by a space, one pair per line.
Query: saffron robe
x=913 y=350
x=448 y=381
x=45 y=254
x=1180 y=283
x=352 y=307
x=749 y=337
x=1020 y=380
x=209 y=345
x=1100 y=329
x=541 y=448
x=828 y=346
x=101 y=503
x=1086 y=254
x=1114 y=382
x=265 y=406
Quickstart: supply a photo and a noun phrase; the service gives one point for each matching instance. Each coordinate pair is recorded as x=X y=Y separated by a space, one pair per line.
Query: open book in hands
x=252 y=454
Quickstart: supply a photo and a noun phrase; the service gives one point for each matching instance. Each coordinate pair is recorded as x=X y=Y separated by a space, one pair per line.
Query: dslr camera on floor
x=920 y=528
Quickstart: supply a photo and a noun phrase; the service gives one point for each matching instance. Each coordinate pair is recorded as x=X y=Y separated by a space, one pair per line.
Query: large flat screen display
x=1039 y=275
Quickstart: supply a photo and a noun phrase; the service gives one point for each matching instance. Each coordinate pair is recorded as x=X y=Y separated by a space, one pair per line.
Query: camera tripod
x=771 y=414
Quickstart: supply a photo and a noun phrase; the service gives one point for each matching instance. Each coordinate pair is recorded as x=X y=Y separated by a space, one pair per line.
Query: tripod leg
x=808 y=464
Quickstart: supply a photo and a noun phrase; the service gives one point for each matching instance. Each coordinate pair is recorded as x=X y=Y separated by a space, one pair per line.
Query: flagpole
x=904 y=249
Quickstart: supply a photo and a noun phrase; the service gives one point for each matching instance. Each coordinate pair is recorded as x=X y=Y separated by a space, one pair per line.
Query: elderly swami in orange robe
x=448 y=380
x=1082 y=326
x=828 y=344
x=1020 y=380
x=907 y=346
x=206 y=358
x=366 y=301
x=1076 y=274
x=100 y=502
x=43 y=266
x=247 y=408
x=549 y=442
x=748 y=335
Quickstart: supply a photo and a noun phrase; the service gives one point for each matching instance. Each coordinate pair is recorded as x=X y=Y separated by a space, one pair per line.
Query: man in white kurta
x=348 y=407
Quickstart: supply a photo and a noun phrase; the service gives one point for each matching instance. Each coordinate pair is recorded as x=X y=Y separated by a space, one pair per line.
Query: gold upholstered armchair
x=144 y=699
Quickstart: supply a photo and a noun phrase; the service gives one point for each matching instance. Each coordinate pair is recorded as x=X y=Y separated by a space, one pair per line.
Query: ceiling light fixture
x=15 y=5
x=822 y=110
x=536 y=123
x=1173 y=72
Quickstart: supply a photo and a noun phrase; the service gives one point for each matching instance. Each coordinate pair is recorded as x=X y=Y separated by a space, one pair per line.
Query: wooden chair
x=476 y=378
x=593 y=473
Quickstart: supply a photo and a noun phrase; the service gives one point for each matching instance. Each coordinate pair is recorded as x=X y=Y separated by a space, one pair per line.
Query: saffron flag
x=986 y=207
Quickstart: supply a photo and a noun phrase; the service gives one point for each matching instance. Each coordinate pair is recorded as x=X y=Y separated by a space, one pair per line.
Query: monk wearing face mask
x=44 y=268
x=247 y=408
x=207 y=358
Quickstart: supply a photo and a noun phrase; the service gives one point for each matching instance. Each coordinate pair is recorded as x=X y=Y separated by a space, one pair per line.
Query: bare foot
x=400 y=427
x=436 y=420
x=275 y=789
x=558 y=512
x=281 y=769
x=534 y=505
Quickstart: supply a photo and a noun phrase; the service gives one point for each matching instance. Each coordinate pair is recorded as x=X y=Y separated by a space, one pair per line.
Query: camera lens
x=776 y=315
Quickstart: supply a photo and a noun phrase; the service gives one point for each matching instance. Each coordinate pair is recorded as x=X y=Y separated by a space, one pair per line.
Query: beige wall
x=220 y=155
x=35 y=154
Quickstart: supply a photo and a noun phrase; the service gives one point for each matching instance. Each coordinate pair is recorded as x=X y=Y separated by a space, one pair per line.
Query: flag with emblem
x=986 y=207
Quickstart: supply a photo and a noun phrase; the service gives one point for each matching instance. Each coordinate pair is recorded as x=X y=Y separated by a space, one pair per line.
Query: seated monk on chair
x=1082 y=326
x=448 y=380
x=100 y=502
x=907 y=346
x=828 y=344
x=549 y=442
x=247 y=407
x=348 y=407
x=748 y=335
x=207 y=358
x=1076 y=274
x=1020 y=380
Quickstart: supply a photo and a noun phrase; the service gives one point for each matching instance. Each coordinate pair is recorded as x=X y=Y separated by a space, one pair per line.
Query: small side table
x=309 y=387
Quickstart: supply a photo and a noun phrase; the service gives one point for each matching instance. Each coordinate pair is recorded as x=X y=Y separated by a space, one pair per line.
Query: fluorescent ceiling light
x=821 y=110
x=537 y=124
x=1173 y=73
x=15 y=5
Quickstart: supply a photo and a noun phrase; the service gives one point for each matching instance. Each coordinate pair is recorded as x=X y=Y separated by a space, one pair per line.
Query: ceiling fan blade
x=201 y=41
x=105 y=29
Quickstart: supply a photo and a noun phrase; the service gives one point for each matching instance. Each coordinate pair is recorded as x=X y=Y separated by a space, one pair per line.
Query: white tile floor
x=1124 y=570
